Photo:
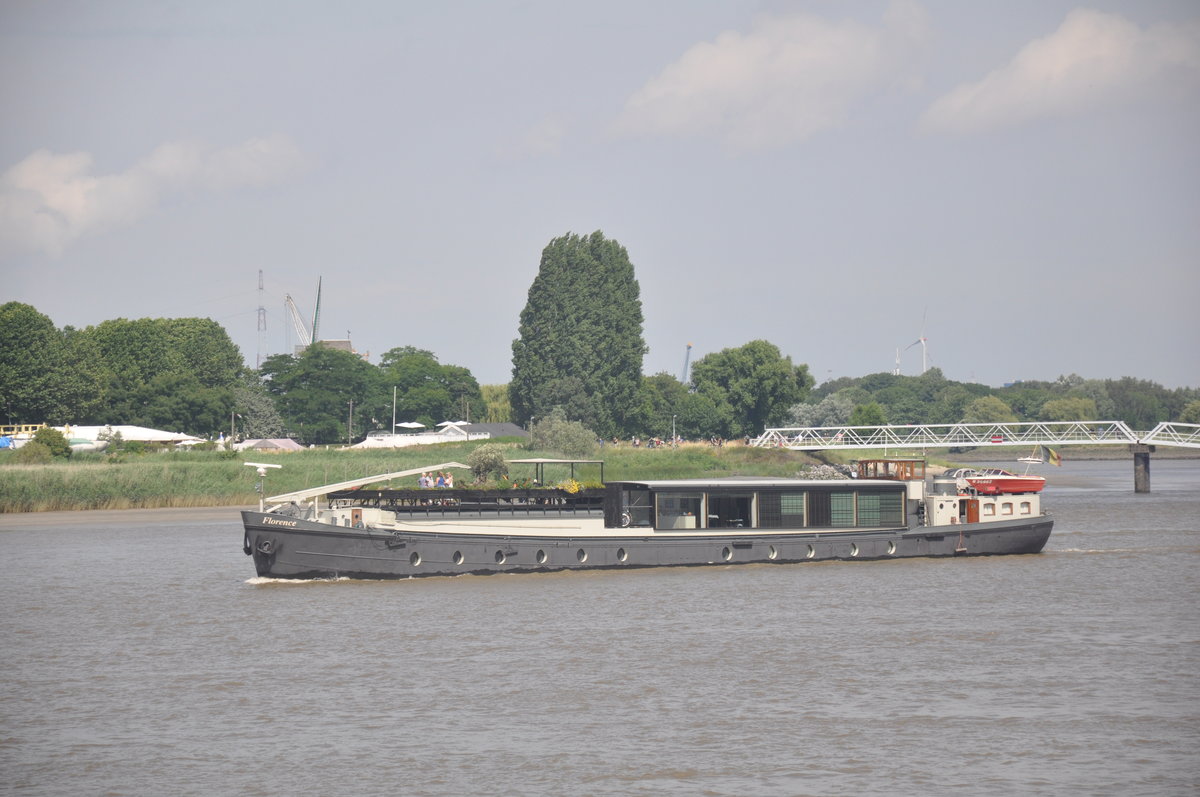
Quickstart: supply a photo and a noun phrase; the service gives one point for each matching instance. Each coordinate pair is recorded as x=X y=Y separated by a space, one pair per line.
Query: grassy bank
x=210 y=478
x=193 y=479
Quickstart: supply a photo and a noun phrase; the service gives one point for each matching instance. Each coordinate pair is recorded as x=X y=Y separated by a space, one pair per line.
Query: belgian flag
x=1051 y=456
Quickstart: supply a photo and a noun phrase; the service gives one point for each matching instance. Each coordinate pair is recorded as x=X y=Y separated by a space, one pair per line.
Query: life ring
x=625 y=519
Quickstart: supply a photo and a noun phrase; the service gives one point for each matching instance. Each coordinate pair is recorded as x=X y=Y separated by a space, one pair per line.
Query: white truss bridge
x=956 y=435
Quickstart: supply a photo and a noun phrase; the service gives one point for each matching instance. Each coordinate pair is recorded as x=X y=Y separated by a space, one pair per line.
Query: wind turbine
x=924 y=347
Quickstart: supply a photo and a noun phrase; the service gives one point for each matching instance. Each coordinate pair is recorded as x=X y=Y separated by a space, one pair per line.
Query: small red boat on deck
x=994 y=481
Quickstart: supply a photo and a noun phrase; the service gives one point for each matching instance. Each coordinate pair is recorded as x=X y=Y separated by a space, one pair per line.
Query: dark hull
x=299 y=549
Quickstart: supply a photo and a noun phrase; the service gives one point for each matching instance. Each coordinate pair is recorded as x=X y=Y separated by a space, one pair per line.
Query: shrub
x=486 y=460
x=53 y=440
x=33 y=453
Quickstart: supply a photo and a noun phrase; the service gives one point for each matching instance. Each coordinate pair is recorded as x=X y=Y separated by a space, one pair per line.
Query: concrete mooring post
x=1141 y=467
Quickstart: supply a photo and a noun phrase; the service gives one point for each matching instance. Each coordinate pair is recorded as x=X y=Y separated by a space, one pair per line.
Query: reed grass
x=211 y=478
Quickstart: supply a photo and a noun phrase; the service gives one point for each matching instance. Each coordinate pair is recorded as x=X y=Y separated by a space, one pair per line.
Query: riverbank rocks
x=825 y=472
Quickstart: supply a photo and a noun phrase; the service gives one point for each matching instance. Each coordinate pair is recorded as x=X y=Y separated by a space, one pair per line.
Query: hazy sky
x=1019 y=179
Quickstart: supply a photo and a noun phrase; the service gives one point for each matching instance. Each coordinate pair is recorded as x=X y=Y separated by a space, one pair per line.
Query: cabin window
x=635 y=507
x=730 y=511
x=792 y=505
x=880 y=509
x=1006 y=508
x=989 y=510
x=680 y=511
x=841 y=509
x=1026 y=508
x=782 y=510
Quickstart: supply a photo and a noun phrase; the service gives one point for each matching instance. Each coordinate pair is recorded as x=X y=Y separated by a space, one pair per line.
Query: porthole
x=891 y=547
x=500 y=557
x=581 y=555
x=726 y=553
x=414 y=559
x=541 y=557
x=772 y=553
x=458 y=557
x=811 y=552
x=853 y=549
x=622 y=555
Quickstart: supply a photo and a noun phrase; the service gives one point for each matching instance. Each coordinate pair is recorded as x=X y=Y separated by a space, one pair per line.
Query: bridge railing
x=1049 y=433
x=1174 y=434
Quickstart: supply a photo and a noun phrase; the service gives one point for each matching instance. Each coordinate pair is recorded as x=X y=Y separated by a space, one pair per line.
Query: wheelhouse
x=668 y=506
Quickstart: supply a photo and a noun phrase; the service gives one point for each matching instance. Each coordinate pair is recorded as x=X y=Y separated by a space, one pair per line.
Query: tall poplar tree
x=580 y=346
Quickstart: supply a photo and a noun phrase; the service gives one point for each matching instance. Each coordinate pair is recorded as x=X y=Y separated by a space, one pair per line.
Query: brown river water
x=140 y=656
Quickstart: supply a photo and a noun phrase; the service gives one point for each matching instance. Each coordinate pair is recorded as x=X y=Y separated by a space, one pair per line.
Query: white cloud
x=789 y=77
x=1094 y=58
x=47 y=201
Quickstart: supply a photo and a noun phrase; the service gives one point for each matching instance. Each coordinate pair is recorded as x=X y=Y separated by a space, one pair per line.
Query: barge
x=360 y=529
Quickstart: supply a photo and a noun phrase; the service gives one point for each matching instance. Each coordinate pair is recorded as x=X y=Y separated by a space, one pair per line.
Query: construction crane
x=304 y=333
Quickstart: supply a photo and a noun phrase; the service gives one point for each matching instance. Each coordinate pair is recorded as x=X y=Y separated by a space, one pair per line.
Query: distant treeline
x=933 y=399
x=185 y=374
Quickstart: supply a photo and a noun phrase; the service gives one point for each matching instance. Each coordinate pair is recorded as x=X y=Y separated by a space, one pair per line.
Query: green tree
x=497 y=408
x=582 y=321
x=46 y=376
x=870 y=414
x=259 y=416
x=175 y=372
x=30 y=350
x=1191 y=413
x=702 y=418
x=314 y=392
x=1068 y=409
x=174 y=401
x=661 y=400
x=988 y=409
x=1095 y=390
x=833 y=410
x=950 y=403
x=754 y=384
x=1025 y=399
x=555 y=433
x=427 y=391
x=1138 y=402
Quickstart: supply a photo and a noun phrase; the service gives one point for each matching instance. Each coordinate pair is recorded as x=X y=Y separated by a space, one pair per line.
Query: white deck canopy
x=314 y=492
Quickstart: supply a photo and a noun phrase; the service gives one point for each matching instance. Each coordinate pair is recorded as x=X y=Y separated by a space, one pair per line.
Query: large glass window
x=680 y=511
x=880 y=509
x=791 y=507
x=782 y=510
x=841 y=509
x=730 y=511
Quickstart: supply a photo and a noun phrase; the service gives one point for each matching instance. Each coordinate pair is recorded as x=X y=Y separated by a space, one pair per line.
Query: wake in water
x=261 y=580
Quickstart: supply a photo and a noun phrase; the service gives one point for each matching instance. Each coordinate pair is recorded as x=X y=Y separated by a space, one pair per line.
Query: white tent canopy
x=140 y=434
